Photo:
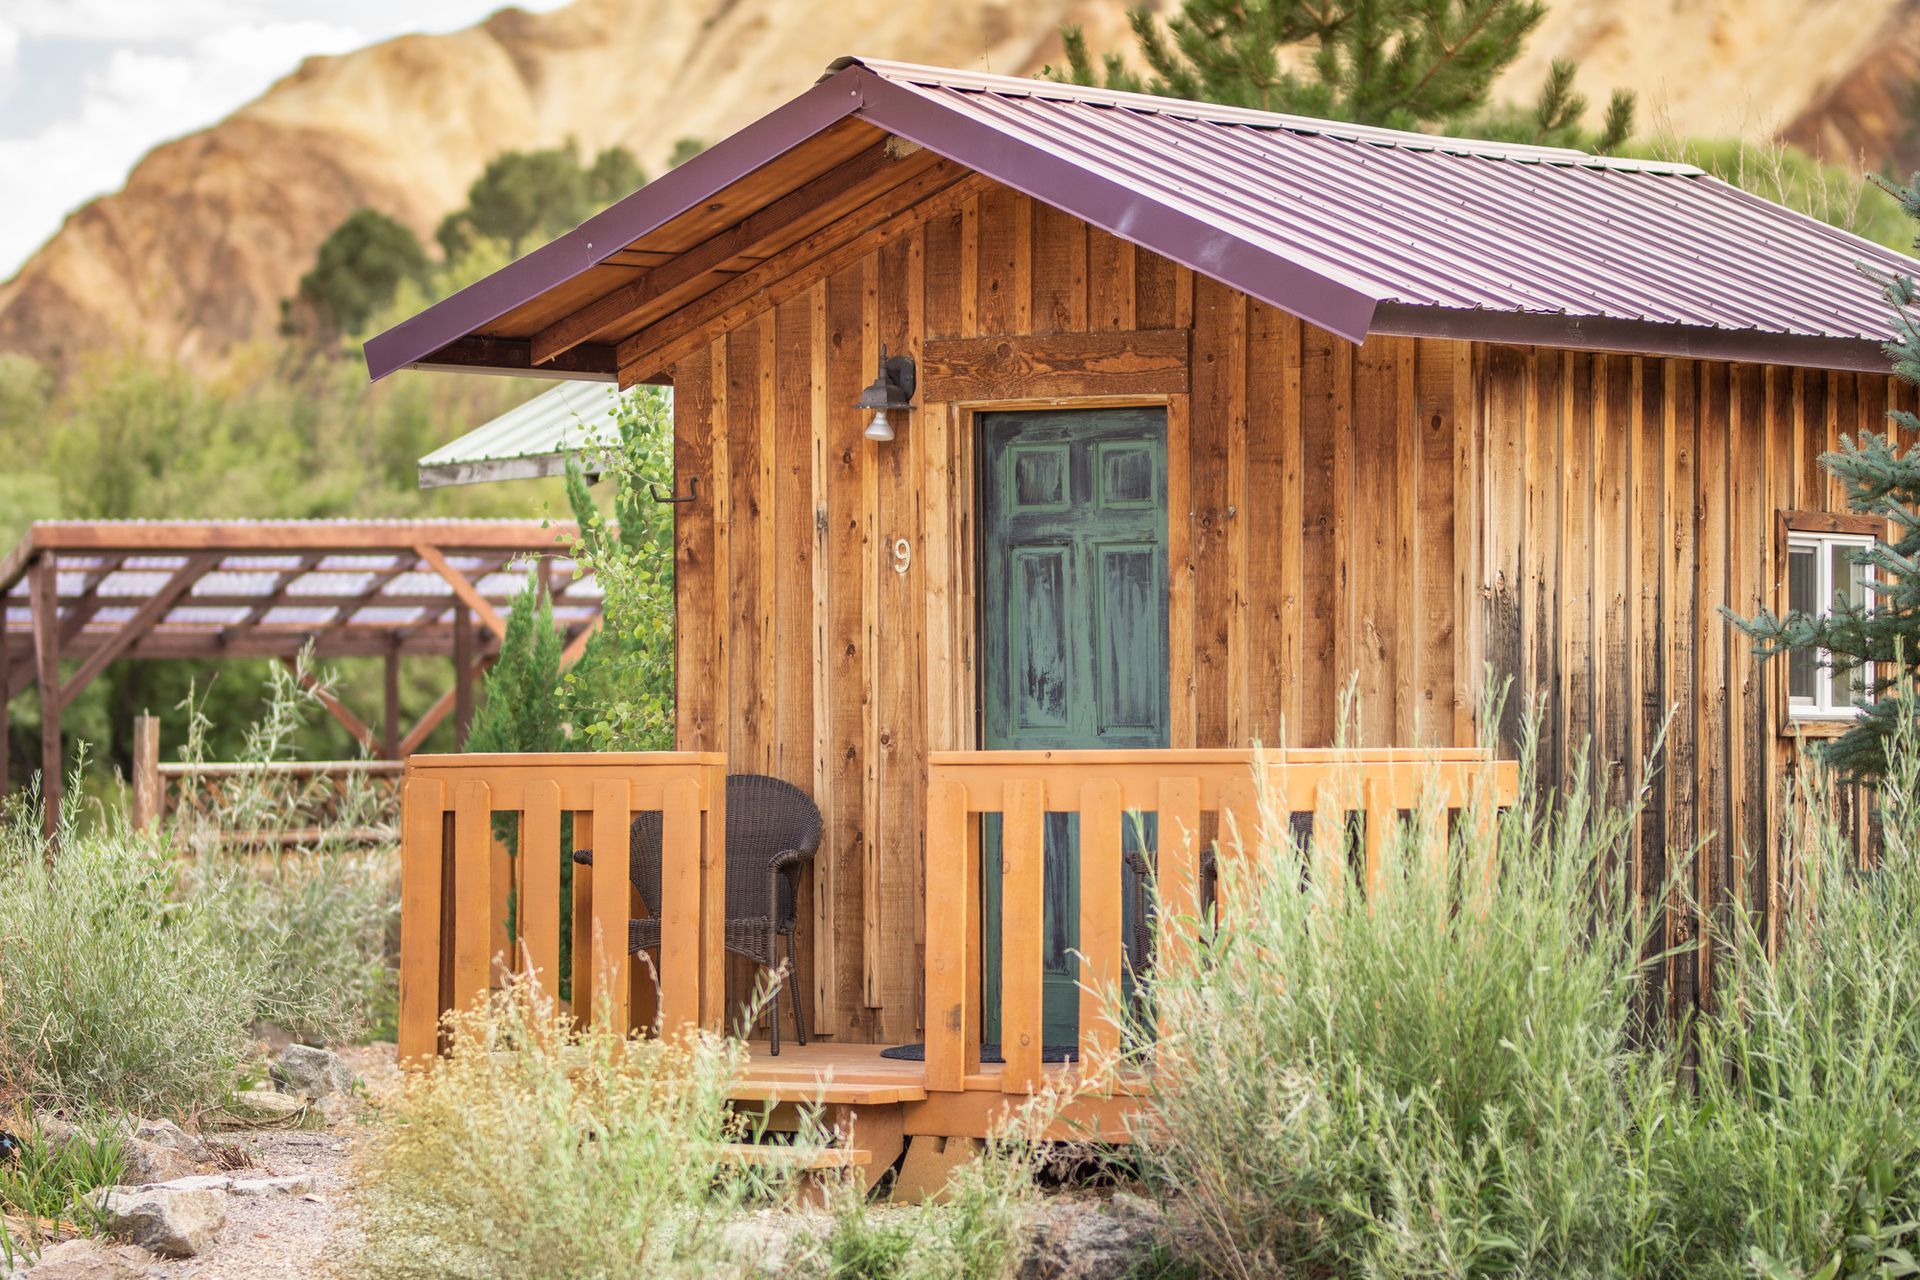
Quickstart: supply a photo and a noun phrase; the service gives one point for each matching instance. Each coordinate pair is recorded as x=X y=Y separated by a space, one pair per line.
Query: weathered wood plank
x=1117 y=363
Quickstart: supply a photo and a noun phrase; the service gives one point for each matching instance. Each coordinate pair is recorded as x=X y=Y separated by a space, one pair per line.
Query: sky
x=87 y=87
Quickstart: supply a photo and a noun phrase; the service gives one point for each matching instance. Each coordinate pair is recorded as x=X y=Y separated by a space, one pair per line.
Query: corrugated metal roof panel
x=1356 y=229
x=1449 y=224
x=528 y=440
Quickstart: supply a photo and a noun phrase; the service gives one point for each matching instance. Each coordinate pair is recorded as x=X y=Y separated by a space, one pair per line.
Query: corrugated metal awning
x=530 y=440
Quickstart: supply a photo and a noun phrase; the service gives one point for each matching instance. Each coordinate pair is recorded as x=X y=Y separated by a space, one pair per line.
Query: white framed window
x=1822 y=570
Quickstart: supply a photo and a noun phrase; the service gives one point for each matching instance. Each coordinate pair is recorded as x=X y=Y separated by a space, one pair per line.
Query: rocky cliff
x=213 y=230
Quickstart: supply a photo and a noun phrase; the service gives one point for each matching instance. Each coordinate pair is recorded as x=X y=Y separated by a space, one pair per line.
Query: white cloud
x=155 y=71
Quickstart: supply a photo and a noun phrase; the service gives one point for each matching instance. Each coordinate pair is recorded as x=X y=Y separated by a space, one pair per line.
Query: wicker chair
x=773 y=830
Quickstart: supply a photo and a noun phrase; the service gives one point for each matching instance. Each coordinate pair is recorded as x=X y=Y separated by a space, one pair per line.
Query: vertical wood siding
x=1628 y=499
x=1410 y=512
x=1314 y=517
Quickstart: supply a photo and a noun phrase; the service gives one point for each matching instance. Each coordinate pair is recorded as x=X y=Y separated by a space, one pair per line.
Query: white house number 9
x=902 y=555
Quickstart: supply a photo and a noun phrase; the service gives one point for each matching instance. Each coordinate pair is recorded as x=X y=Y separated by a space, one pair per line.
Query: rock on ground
x=90 y=1260
x=264 y=1106
x=175 y=1223
x=1089 y=1240
x=314 y=1073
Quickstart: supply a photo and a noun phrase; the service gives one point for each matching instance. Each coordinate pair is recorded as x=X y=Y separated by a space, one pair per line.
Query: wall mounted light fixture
x=890 y=392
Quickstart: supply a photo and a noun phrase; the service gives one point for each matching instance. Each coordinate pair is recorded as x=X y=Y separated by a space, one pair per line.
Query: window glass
x=1822 y=576
x=1803 y=586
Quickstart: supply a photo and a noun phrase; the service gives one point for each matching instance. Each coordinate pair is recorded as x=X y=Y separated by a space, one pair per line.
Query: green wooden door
x=1073 y=632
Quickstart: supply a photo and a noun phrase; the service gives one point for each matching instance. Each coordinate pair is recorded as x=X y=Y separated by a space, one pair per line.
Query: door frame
x=962 y=494
x=968 y=428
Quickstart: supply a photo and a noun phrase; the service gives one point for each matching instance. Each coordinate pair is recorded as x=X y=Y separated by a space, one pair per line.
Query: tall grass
x=311 y=922
x=118 y=991
x=533 y=1149
x=1445 y=1077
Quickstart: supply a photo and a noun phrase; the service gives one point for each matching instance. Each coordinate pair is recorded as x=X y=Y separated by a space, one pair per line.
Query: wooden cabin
x=1211 y=411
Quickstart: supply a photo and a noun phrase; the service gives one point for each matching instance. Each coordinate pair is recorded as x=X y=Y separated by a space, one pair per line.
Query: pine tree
x=1879 y=481
x=521 y=711
x=1403 y=64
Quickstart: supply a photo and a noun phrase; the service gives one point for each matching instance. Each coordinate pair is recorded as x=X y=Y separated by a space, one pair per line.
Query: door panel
x=1073 y=632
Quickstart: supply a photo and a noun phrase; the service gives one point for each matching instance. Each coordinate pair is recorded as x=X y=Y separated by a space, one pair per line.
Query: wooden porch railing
x=459 y=887
x=1101 y=787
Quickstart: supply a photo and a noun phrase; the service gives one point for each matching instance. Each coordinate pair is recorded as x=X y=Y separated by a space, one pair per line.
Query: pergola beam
x=144 y=619
x=352 y=723
x=442 y=707
x=465 y=591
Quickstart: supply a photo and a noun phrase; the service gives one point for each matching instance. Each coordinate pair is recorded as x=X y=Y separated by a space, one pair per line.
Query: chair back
x=766 y=817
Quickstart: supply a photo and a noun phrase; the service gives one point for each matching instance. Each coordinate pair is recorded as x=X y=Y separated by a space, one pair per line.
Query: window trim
x=1820 y=530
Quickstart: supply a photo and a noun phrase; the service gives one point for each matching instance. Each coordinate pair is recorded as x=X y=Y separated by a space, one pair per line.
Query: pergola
x=88 y=592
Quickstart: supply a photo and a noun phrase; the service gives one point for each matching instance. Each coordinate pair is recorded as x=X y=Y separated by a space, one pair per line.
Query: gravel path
x=279 y=1236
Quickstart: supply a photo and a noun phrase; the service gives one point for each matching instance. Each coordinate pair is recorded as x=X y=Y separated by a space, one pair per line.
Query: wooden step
x=775 y=1155
x=826 y=1093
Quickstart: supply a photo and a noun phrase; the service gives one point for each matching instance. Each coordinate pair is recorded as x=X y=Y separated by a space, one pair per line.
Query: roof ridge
x=1216 y=113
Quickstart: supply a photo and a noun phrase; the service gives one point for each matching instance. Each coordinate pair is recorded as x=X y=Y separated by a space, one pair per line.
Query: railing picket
x=710 y=953
x=680 y=909
x=951 y=952
x=1379 y=819
x=539 y=906
x=612 y=812
x=1100 y=922
x=1329 y=842
x=1238 y=841
x=473 y=896
x=422 y=857
x=1022 y=920
x=1178 y=863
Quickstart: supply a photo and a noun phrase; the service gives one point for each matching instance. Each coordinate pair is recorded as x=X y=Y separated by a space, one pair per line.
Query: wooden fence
x=1102 y=787
x=459 y=886
x=310 y=798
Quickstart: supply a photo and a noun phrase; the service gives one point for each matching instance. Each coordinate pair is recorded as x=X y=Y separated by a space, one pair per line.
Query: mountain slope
x=213 y=230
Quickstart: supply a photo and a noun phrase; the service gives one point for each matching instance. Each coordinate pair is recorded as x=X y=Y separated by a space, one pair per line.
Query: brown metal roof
x=1355 y=229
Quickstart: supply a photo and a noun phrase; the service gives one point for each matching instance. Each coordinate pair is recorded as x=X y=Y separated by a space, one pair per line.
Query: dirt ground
x=280 y=1236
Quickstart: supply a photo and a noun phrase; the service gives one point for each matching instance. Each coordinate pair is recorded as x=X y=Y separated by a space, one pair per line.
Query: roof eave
x=1632 y=337
x=414 y=341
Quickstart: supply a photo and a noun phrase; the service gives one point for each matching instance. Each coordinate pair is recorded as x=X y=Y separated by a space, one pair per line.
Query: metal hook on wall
x=693 y=493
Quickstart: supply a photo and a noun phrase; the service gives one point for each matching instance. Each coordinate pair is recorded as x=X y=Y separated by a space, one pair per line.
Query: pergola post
x=6 y=697
x=148 y=799
x=43 y=599
x=390 y=725
x=462 y=674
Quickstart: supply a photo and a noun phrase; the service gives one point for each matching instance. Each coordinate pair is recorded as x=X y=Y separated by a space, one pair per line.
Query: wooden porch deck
x=461 y=895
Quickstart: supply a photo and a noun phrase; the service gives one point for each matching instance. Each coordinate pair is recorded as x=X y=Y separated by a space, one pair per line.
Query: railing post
x=951 y=1029
x=149 y=801
x=1100 y=923
x=421 y=857
x=684 y=963
x=612 y=813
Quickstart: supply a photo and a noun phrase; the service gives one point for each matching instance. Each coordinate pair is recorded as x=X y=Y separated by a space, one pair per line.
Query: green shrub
x=533 y=1151
x=1804 y=1150
x=1445 y=1078
x=308 y=922
x=1431 y=1079
x=118 y=992
x=43 y=1182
